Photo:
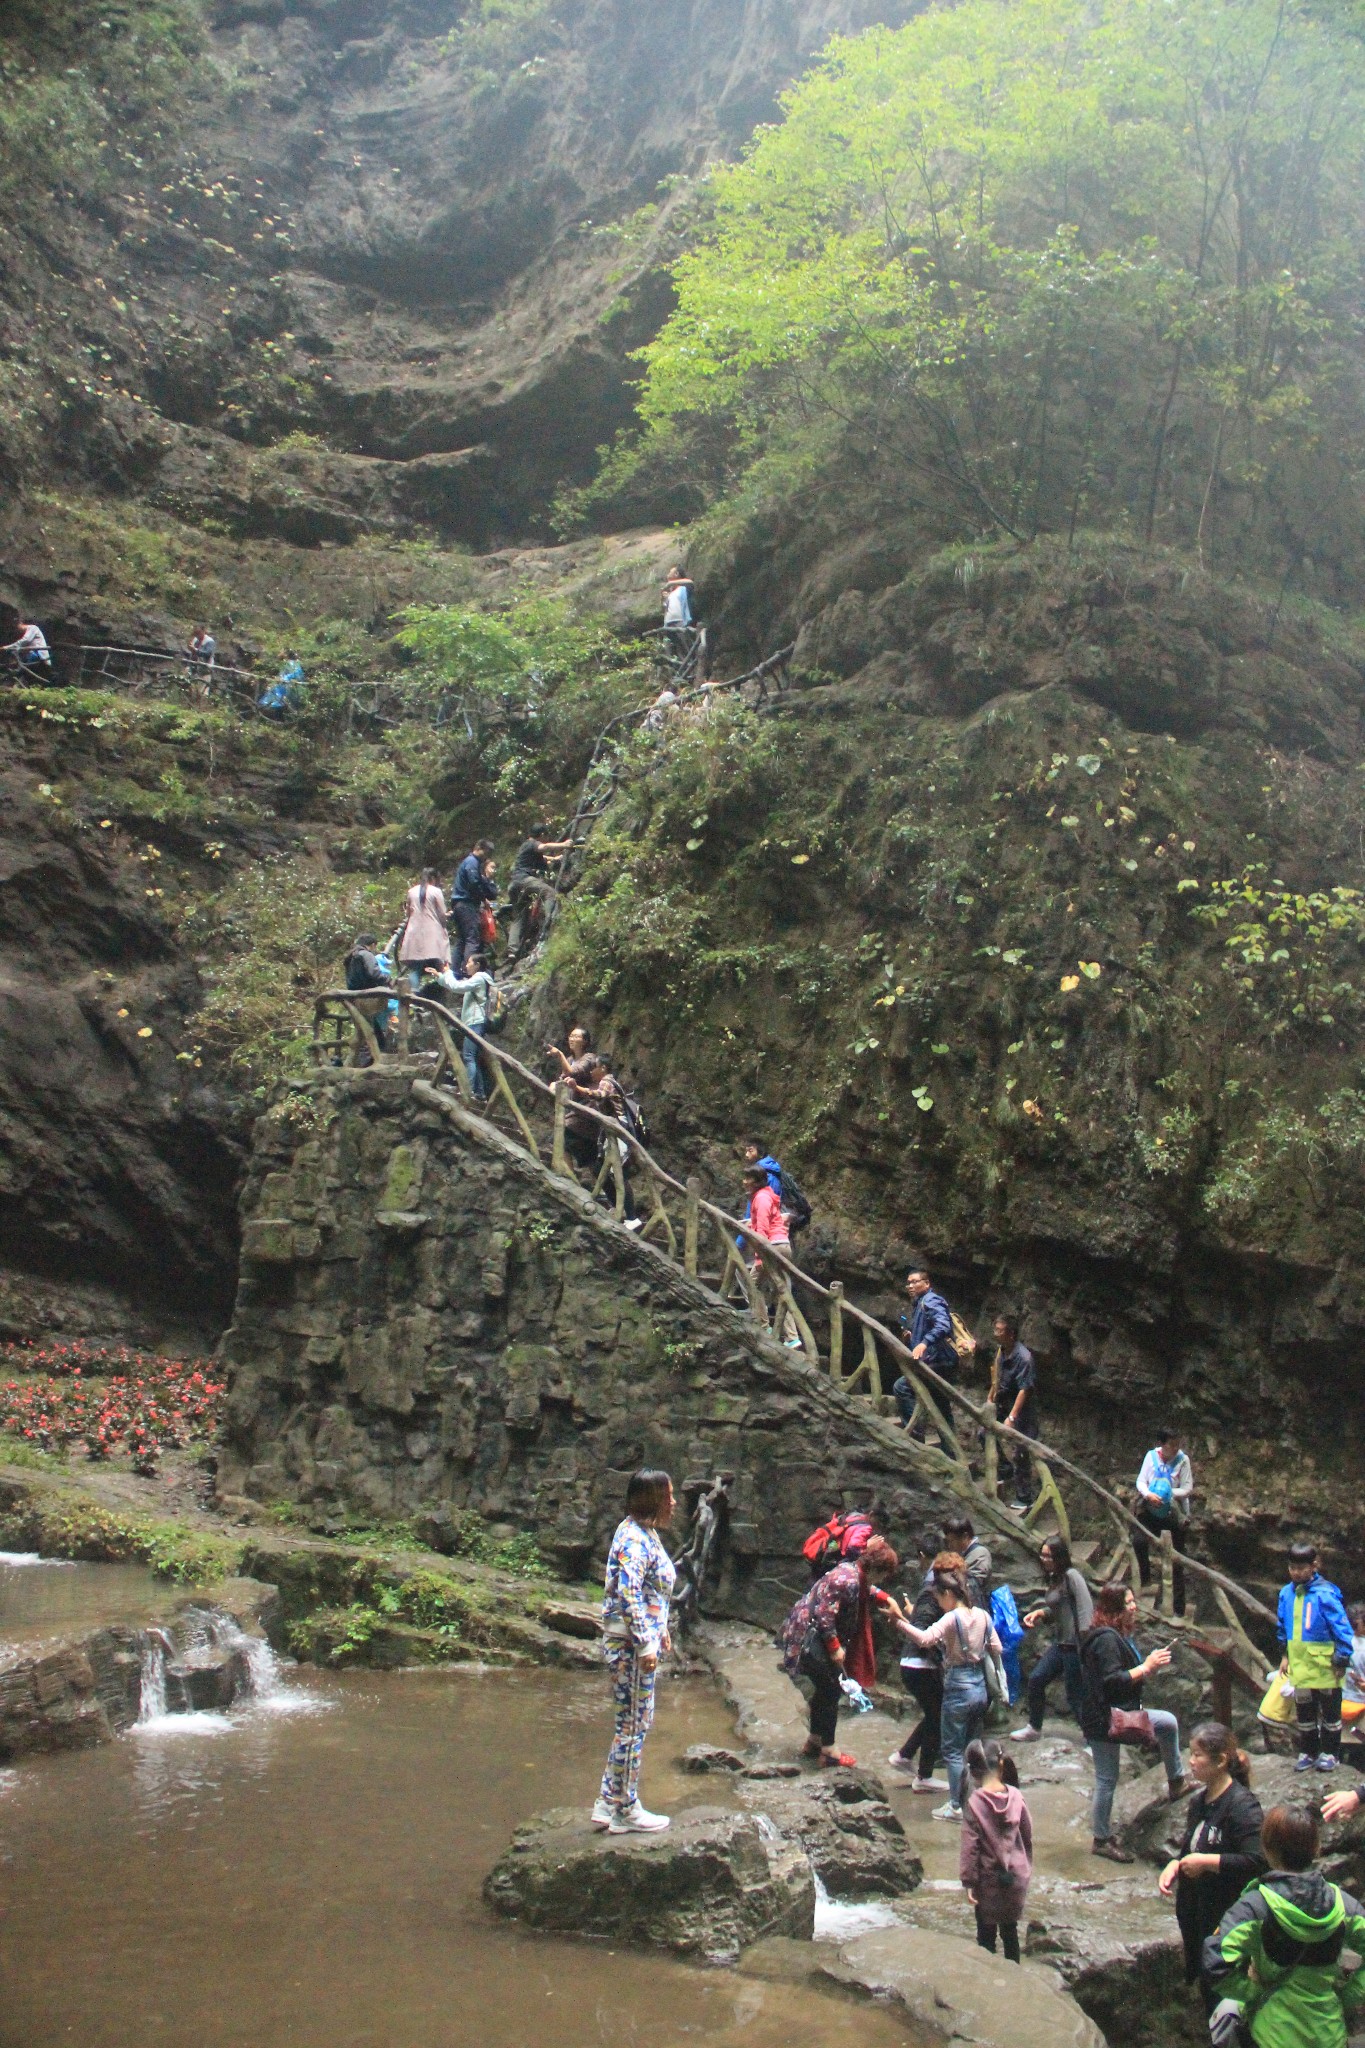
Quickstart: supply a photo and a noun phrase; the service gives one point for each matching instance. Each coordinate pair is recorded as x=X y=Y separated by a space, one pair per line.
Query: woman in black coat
x=1221 y=1851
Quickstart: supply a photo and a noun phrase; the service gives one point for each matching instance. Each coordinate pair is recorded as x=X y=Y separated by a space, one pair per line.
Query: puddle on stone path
x=42 y=1599
x=313 y=1881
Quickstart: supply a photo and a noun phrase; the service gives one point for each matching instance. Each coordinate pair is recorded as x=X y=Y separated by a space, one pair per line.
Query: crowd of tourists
x=1263 y=1931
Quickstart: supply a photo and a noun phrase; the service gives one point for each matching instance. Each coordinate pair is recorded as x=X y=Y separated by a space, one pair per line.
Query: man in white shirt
x=1164 y=1487
x=30 y=650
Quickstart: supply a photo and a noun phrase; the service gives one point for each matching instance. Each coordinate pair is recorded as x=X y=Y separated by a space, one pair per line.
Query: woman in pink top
x=965 y=1636
x=767 y=1221
x=997 y=1847
x=425 y=942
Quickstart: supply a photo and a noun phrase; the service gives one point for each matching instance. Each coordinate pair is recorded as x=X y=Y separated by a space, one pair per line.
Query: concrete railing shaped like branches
x=858 y=1352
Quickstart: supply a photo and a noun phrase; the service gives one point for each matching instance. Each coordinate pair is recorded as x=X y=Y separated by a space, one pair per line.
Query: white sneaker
x=1026 y=1734
x=636 y=1821
x=633 y=1223
x=948 y=1812
x=902 y=1763
x=601 y=1814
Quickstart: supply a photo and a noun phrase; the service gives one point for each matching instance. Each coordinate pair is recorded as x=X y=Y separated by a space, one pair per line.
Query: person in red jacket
x=828 y=1635
x=767 y=1221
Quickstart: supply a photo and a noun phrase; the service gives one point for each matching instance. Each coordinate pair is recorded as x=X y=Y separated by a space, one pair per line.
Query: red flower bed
x=133 y=1400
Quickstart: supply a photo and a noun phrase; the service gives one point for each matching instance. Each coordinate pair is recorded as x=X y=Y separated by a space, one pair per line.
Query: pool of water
x=306 y=1874
x=43 y=1598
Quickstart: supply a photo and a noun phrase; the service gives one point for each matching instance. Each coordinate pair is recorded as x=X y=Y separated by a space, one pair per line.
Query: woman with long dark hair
x=828 y=1635
x=922 y=1677
x=1113 y=1674
x=1220 y=1852
x=640 y=1577
x=1067 y=1603
x=424 y=942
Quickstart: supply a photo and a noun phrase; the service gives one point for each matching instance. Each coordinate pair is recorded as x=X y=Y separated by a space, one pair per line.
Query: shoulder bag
x=992 y=1670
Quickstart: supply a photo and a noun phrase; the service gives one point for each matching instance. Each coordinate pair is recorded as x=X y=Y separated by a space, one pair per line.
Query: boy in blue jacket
x=1315 y=1637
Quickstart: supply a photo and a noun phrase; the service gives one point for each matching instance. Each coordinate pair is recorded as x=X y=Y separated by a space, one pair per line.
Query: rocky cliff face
x=426 y=1316
x=394 y=270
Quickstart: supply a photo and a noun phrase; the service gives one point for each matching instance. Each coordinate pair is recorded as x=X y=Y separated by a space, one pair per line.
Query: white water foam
x=21 y=1557
x=844 y=1919
x=158 y=1725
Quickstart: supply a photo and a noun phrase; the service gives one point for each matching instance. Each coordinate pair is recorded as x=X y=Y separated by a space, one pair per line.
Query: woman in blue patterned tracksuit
x=635 y=1635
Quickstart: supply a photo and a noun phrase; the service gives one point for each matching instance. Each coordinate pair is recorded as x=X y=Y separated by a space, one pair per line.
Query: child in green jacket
x=1274 y=1963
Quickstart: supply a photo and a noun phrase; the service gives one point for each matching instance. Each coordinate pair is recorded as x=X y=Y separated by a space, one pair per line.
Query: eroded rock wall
x=425 y=1315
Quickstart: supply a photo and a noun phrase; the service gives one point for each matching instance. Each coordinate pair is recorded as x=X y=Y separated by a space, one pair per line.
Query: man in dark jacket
x=531 y=879
x=1015 y=1386
x=472 y=887
x=363 y=971
x=928 y=1329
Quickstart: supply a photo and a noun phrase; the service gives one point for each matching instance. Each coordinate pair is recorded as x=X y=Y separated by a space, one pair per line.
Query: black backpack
x=795 y=1207
x=634 y=1119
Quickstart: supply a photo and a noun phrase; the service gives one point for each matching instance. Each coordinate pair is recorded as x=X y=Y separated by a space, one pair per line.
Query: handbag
x=992 y=1670
x=1132 y=1726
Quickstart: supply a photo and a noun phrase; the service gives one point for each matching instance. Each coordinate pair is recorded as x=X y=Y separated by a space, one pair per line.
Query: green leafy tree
x=1032 y=267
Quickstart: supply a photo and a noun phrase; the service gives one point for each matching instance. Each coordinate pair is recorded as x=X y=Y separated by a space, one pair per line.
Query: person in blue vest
x=1317 y=1645
x=1164 y=1487
x=927 y=1327
x=473 y=886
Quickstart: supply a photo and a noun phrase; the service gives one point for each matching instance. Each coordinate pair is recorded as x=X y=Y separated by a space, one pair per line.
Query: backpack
x=634 y=1119
x=495 y=1022
x=795 y=1207
x=1009 y=1628
x=842 y=1536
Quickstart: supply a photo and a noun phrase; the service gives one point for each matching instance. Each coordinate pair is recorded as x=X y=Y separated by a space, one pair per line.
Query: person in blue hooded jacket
x=927 y=1328
x=1317 y=1644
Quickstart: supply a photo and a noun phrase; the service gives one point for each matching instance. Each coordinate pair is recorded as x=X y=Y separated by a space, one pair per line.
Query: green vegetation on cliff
x=1020 y=270
x=1048 y=931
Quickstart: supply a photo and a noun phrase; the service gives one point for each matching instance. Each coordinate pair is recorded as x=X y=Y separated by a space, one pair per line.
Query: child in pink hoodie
x=997 y=1846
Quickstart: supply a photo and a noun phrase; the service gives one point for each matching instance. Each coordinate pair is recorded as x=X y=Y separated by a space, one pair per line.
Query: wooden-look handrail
x=937 y=1396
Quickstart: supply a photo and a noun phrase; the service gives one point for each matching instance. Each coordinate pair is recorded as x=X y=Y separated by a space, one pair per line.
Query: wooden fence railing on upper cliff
x=859 y=1353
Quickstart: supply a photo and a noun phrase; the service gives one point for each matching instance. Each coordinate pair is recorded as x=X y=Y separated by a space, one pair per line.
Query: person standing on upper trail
x=31 y=650
x=1015 y=1391
x=424 y=942
x=472 y=887
x=1164 y=1487
x=530 y=880
x=928 y=1326
x=678 y=619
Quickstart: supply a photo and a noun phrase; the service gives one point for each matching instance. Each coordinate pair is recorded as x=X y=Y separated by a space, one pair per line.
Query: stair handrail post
x=691 y=1225
x=991 y=1474
x=1167 y=1574
x=559 y=1157
x=836 y=1331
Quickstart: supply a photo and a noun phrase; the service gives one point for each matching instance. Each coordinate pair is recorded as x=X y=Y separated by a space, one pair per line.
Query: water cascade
x=207 y=1664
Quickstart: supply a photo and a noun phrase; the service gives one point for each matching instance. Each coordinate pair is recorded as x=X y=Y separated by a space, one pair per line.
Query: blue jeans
x=1059 y=1660
x=1109 y=1755
x=471 y=1063
x=964 y=1716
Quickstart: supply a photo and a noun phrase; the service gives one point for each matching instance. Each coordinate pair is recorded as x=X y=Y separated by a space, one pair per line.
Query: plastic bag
x=1277 y=1709
x=854 y=1694
x=1009 y=1628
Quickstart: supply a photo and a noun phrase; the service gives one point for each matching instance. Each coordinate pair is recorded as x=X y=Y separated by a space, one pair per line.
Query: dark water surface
x=41 y=1598
x=307 y=1873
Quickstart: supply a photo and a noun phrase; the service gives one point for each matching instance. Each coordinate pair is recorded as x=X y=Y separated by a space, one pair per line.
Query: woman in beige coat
x=425 y=943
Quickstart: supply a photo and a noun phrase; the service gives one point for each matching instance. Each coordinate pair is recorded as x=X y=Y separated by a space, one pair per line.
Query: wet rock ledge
x=711 y=1885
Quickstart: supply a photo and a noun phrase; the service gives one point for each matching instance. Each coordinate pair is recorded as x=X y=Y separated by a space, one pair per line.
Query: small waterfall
x=846 y=1919
x=211 y=1664
x=156 y=1654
